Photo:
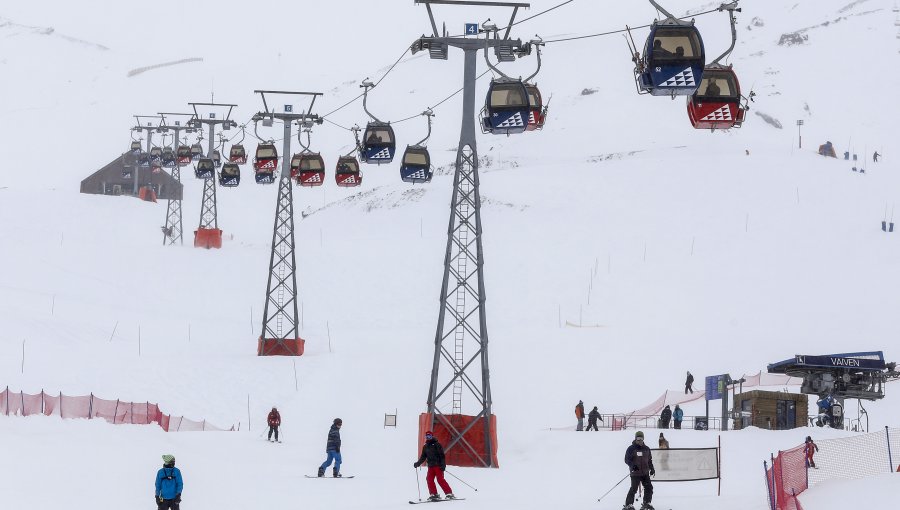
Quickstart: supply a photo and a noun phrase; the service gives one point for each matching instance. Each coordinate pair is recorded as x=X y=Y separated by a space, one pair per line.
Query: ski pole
x=418 y=487
x=614 y=486
x=461 y=480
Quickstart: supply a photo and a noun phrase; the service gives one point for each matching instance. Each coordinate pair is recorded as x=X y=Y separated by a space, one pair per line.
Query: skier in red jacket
x=274 y=421
x=810 y=449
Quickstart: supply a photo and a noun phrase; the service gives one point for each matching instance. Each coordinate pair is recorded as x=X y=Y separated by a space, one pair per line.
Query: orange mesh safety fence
x=852 y=457
x=88 y=406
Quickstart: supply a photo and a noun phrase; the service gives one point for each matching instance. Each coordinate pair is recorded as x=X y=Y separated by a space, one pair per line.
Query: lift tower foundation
x=280 y=335
x=208 y=234
x=460 y=364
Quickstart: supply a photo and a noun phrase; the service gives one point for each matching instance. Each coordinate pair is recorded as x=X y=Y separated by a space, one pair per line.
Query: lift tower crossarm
x=512 y=18
x=288 y=118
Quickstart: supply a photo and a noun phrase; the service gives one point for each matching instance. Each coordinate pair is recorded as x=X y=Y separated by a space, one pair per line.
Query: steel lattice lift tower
x=280 y=335
x=468 y=439
x=208 y=233
x=172 y=232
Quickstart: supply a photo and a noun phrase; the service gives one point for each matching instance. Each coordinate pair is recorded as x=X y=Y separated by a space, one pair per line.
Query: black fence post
x=887 y=436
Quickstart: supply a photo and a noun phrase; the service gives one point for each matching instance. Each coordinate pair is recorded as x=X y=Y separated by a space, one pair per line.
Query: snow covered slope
x=686 y=252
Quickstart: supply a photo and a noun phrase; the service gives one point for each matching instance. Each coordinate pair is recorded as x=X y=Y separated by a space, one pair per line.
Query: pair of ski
x=436 y=500
x=411 y=502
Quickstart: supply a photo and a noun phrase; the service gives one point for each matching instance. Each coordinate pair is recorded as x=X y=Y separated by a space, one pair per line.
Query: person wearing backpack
x=168 y=485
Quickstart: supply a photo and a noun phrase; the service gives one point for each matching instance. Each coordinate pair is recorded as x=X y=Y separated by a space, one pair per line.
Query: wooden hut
x=775 y=410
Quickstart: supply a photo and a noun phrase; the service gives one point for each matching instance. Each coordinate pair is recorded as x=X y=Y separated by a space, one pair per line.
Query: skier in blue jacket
x=168 y=485
x=333 y=449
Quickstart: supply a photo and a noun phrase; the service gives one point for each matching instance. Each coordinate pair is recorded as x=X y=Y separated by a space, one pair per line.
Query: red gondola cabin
x=717 y=102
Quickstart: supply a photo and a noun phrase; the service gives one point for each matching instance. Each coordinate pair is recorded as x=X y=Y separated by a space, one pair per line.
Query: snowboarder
x=333 y=449
x=592 y=419
x=274 y=421
x=168 y=485
x=810 y=448
x=579 y=413
x=663 y=442
x=640 y=465
x=875 y=157
x=688 y=383
x=665 y=417
x=678 y=415
x=433 y=455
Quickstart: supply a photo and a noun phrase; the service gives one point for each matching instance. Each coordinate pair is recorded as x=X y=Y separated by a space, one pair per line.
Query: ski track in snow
x=139 y=70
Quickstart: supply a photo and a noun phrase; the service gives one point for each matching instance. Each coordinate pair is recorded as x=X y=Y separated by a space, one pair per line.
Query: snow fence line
x=846 y=458
x=116 y=412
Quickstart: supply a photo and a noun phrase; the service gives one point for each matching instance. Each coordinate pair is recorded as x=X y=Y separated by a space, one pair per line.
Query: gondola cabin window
x=508 y=95
x=675 y=44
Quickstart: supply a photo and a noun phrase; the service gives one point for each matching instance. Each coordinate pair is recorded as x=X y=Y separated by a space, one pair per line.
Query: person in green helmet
x=640 y=466
x=168 y=485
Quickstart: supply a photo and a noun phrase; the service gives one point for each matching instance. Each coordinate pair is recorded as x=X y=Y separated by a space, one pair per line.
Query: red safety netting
x=89 y=406
x=787 y=478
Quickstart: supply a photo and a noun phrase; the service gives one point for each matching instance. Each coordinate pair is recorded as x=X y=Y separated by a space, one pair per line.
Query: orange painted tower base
x=274 y=347
x=208 y=238
x=471 y=450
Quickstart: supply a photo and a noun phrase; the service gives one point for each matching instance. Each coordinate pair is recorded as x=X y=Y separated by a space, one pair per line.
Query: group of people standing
x=667 y=415
x=593 y=416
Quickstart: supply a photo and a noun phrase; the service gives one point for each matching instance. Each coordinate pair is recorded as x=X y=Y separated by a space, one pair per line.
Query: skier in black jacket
x=640 y=465
x=689 y=383
x=333 y=449
x=665 y=417
x=593 y=416
x=433 y=455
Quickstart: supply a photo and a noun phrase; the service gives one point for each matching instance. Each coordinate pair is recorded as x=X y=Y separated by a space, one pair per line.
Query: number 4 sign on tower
x=471 y=28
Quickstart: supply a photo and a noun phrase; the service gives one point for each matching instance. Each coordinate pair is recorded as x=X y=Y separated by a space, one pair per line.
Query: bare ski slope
x=686 y=252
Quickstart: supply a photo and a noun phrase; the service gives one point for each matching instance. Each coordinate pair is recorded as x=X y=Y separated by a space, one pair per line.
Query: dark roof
x=103 y=181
